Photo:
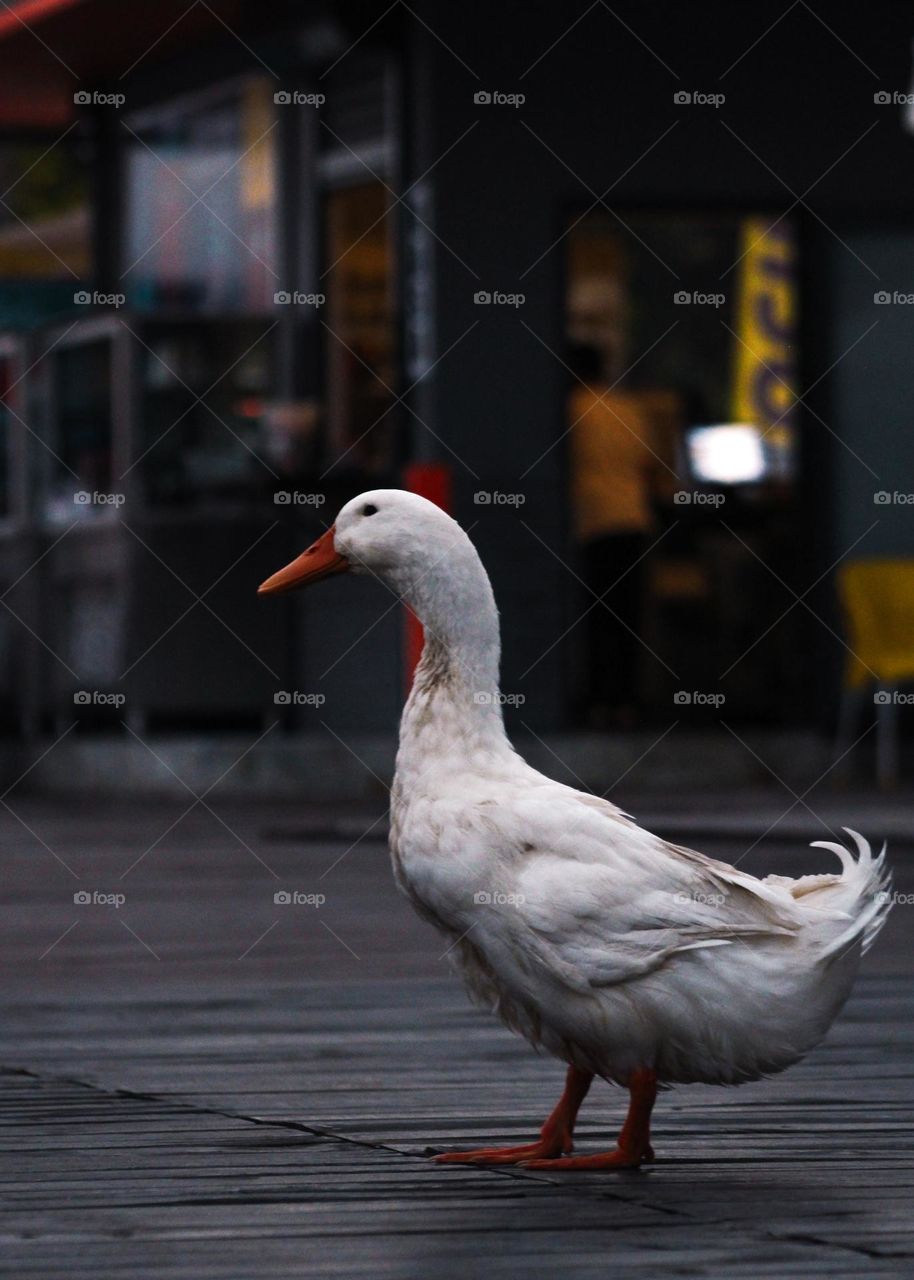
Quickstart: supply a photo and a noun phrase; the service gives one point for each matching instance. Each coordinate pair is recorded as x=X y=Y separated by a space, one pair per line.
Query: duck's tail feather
x=865 y=887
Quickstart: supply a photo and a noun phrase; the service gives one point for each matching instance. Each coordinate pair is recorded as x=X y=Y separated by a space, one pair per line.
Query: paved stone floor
x=199 y=1080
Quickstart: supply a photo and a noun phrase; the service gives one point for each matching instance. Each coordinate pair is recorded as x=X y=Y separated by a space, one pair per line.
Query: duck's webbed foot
x=617 y=1159
x=542 y=1150
x=555 y=1137
x=634 y=1146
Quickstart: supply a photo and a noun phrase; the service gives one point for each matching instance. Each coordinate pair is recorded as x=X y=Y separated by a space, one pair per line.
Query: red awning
x=51 y=50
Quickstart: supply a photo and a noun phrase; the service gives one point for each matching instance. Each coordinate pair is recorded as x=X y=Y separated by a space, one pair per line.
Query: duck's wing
x=600 y=901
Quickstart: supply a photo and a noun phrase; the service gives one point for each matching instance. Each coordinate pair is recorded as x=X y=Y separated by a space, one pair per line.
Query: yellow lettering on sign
x=764 y=386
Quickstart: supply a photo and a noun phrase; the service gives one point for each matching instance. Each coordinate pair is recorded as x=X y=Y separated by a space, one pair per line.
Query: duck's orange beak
x=321 y=560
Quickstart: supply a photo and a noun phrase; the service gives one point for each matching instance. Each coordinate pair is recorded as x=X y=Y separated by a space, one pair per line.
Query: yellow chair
x=877 y=596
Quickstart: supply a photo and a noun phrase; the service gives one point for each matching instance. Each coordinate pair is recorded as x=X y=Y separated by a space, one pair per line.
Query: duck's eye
x=369 y=509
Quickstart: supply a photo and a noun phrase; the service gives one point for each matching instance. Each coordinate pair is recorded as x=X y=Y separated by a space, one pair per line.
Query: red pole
x=432 y=480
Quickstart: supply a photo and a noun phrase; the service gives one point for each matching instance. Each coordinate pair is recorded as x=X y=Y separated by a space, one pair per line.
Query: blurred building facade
x=256 y=258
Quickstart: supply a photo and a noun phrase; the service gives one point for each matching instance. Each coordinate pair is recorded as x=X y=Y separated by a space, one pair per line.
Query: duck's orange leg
x=634 y=1142
x=555 y=1135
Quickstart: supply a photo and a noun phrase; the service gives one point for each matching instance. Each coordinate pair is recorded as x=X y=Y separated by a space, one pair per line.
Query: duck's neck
x=455 y=702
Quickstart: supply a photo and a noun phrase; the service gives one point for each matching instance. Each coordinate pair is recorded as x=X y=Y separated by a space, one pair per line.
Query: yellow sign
x=765 y=375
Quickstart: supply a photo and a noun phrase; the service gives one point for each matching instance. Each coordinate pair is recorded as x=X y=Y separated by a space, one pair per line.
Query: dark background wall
x=600 y=113
x=873 y=390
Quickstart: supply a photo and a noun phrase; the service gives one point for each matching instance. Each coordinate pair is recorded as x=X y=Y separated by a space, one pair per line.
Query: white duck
x=622 y=955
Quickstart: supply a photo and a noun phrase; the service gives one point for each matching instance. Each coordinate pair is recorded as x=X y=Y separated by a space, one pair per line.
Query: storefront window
x=214 y=447
x=725 y=289
x=682 y=426
x=45 y=231
x=201 y=196
x=361 y=355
